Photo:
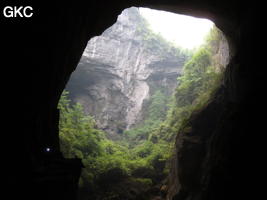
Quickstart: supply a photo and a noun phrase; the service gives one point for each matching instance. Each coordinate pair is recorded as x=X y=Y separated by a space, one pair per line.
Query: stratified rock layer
x=118 y=71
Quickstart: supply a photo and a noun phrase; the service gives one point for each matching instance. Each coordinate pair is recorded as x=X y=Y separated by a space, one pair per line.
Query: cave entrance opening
x=135 y=87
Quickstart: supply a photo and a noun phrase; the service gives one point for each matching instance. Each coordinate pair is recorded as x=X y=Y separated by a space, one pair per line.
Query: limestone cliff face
x=119 y=70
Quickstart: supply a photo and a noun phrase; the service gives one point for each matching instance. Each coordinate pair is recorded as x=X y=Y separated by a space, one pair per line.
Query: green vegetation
x=156 y=114
x=129 y=168
x=157 y=44
x=107 y=164
x=200 y=80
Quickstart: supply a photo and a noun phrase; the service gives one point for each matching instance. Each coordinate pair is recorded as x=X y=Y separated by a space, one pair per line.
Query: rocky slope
x=120 y=69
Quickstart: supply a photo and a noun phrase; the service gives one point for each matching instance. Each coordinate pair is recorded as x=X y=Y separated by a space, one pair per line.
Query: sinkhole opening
x=134 y=88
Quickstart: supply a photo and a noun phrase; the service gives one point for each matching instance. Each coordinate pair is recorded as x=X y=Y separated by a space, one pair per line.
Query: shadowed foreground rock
x=40 y=54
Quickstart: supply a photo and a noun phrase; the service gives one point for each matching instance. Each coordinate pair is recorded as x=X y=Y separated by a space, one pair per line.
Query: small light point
x=47 y=149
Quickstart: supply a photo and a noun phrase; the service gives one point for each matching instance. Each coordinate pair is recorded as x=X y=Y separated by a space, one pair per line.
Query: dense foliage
x=108 y=165
x=136 y=166
x=201 y=77
x=156 y=114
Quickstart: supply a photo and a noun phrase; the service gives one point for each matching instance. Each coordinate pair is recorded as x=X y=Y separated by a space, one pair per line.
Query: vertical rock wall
x=117 y=71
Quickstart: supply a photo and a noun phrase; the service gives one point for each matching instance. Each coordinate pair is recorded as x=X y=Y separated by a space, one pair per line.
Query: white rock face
x=117 y=71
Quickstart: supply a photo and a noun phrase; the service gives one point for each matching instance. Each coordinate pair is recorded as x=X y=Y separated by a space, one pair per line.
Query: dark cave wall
x=41 y=52
x=214 y=159
x=39 y=55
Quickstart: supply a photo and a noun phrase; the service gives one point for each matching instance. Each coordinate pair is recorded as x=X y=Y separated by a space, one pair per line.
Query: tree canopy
x=139 y=161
